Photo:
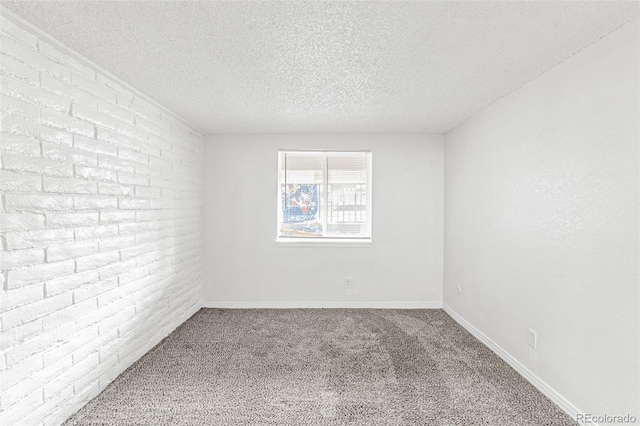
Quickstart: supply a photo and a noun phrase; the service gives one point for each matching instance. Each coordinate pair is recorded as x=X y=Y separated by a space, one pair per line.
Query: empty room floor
x=320 y=366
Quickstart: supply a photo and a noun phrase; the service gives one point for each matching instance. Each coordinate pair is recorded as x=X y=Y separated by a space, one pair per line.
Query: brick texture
x=101 y=228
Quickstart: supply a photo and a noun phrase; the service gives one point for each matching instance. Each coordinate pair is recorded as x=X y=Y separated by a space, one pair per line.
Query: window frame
x=337 y=242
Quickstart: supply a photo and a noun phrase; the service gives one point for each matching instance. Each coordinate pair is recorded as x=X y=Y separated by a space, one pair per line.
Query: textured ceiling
x=280 y=67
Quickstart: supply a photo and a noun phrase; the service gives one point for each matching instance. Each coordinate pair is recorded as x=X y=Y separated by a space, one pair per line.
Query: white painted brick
x=115 y=322
x=115 y=138
x=132 y=132
x=121 y=92
x=20 y=144
x=83 y=373
x=15 y=259
x=113 y=163
x=117 y=112
x=38 y=273
x=67 y=123
x=93 y=116
x=133 y=275
x=93 y=145
x=145 y=169
x=160 y=163
x=17 y=33
x=148 y=215
x=69 y=345
x=60 y=137
x=34 y=382
x=21 y=371
x=63 y=411
x=133 y=179
x=115 y=189
x=146 y=110
x=51 y=408
x=97 y=314
x=148 y=258
x=91 y=85
x=71 y=251
x=43 y=166
x=17 y=181
x=98 y=343
x=17 y=126
x=117 y=243
x=164 y=204
x=15 y=201
x=66 y=318
x=19 y=334
x=96 y=232
x=125 y=101
x=37 y=238
x=68 y=91
x=115 y=269
x=68 y=219
x=69 y=155
x=162 y=144
x=14 y=414
x=106 y=298
x=135 y=250
x=160 y=265
x=146 y=250
x=161 y=183
x=93 y=203
x=182 y=168
x=97 y=260
x=64 y=59
x=70 y=282
x=168 y=154
x=30 y=347
x=95 y=173
x=33 y=311
x=27 y=92
x=117 y=216
x=91 y=290
x=150 y=127
x=133 y=203
x=146 y=147
x=18 y=70
x=33 y=59
x=13 y=298
x=69 y=186
x=127 y=154
x=20 y=109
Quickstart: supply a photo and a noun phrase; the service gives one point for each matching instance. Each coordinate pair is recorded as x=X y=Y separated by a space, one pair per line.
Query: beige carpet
x=320 y=367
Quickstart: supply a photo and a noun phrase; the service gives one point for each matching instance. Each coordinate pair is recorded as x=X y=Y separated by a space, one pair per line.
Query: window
x=324 y=195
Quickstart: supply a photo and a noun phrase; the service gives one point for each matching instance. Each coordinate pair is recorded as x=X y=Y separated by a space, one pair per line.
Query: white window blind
x=324 y=194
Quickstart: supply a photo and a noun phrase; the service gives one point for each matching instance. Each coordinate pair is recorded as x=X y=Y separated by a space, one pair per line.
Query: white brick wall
x=101 y=228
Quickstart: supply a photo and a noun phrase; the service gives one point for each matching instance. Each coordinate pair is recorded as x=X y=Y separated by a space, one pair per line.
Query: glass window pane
x=347 y=195
x=324 y=194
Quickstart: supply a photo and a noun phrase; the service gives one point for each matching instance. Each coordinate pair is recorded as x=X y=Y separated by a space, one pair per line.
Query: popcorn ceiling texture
x=345 y=67
x=101 y=229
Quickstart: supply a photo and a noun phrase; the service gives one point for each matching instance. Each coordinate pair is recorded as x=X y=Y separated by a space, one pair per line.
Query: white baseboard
x=544 y=388
x=316 y=305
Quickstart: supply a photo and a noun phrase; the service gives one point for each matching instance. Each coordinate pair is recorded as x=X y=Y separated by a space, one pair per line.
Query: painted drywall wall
x=246 y=268
x=101 y=227
x=541 y=228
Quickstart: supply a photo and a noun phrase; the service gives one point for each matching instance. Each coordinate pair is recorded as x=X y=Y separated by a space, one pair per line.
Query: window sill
x=323 y=243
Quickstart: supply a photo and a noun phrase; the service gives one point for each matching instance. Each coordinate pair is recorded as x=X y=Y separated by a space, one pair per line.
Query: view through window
x=324 y=194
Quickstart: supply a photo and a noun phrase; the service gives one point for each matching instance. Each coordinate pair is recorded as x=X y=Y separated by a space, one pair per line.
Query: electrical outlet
x=348 y=283
x=458 y=287
x=532 y=338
